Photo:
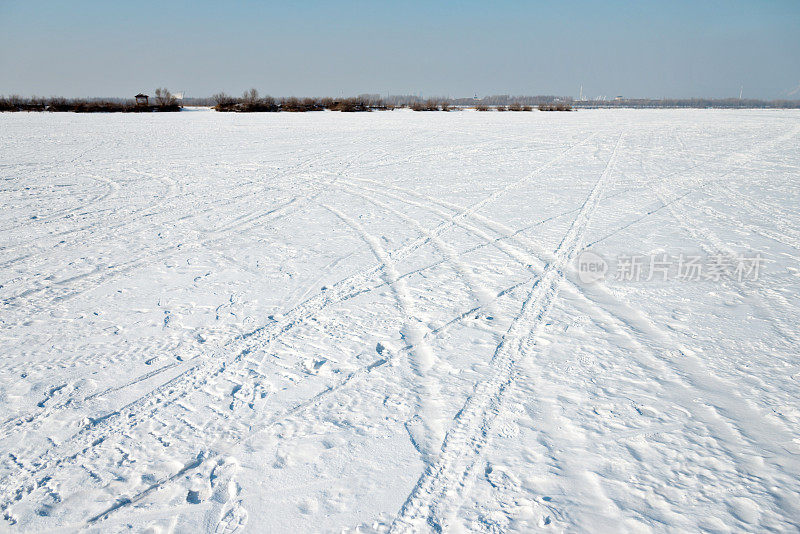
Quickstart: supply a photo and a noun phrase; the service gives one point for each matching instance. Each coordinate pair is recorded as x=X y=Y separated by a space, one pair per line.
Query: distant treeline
x=251 y=101
x=79 y=105
x=547 y=102
x=164 y=101
x=698 y=103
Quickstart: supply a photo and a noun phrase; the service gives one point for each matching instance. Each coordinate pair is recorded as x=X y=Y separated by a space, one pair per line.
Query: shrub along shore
x=248 y=105
x=80 y=106
x=251 y=101
x=164 y=101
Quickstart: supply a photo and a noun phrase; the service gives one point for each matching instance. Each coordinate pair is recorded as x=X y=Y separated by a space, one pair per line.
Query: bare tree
x=222 y=99
x=250 y=98
x=429 y=105
x=164 y=98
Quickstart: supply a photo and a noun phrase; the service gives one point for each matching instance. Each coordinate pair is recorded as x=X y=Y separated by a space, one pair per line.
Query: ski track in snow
x=376 y=323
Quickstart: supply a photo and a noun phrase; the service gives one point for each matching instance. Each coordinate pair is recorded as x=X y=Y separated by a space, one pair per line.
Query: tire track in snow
x=414 y=331
x=705 y=236
x=358 y=282
x=162 y=200
x=442 y=483
x=480 y=293
x=598 y=298
x=741 y=429
x=152 y=211
x=751 y=228
x=104 y=273
x=207 y=367
x=259 y=424
x=214 y=204
x=764 y=211
x=504 y=234
x=23 y=422
x=528 y=255
x=690 y=186
x=256 y=428
x=522 y=256
x=111 y=188
x=473 y=285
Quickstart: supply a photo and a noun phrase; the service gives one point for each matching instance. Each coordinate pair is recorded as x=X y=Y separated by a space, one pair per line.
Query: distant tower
x=580 y=96
x=740 y=91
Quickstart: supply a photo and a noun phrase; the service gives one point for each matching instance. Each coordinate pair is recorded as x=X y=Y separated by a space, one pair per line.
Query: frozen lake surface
x=400 y=321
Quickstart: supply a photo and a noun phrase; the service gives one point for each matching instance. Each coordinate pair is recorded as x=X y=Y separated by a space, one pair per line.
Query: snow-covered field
x=326 y=322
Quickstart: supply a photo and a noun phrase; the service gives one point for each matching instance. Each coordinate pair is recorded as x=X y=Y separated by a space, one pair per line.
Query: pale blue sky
x=636 y=49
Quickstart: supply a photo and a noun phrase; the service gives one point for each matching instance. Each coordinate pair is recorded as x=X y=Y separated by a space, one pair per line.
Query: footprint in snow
x=226 y=514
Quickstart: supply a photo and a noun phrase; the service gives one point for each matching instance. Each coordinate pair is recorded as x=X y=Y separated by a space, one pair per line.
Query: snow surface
x=324 y=322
